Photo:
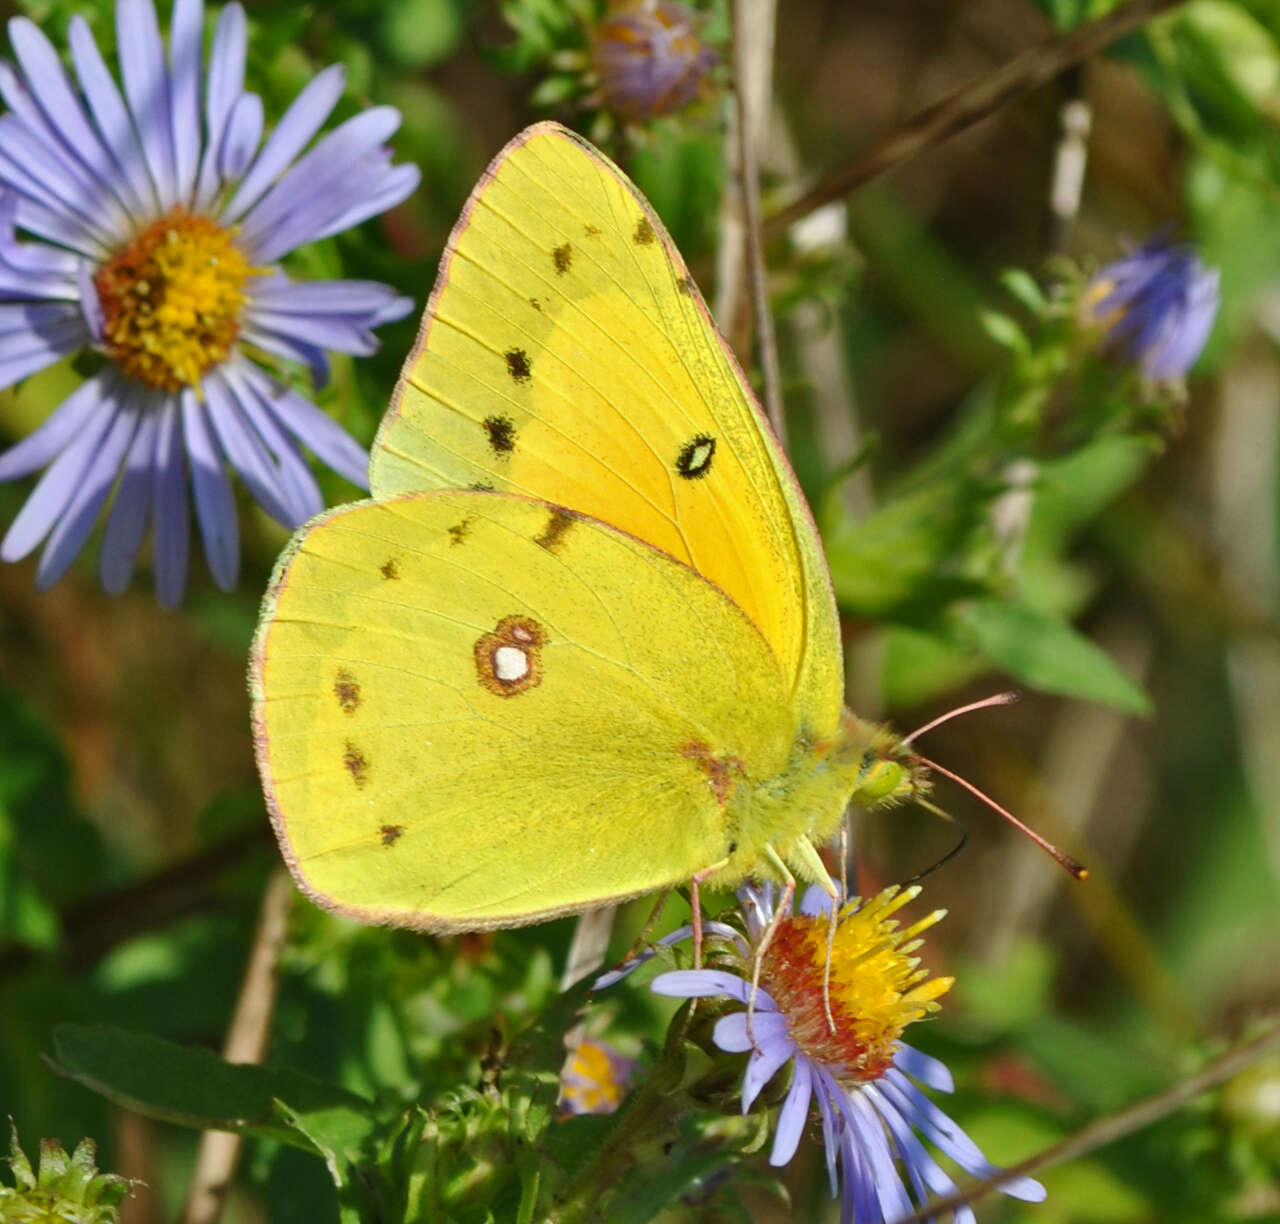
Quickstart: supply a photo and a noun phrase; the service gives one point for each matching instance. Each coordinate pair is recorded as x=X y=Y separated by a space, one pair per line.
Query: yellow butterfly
x=581 y=644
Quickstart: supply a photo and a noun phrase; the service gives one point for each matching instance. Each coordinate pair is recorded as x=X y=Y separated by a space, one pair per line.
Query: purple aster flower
x=595 y=1078
x=160 y=216
x=649 y=59
x=1157 y=305
x=862 y=1080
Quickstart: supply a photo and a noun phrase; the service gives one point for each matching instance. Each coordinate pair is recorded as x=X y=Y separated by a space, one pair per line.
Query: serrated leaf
x=1045 y=654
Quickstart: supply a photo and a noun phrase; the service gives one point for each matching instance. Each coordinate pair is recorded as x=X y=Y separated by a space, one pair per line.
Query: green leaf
x=195 y=1087
x=1046 y=654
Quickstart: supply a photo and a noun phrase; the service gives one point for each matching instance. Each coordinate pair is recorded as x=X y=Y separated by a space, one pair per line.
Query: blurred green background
x=133 y=845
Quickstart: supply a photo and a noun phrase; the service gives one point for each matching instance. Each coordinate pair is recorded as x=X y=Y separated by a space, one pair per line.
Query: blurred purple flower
x=161 y=217
x=649 y=59
x=1157 y=305
x=859 y=1075
x=595 y=1078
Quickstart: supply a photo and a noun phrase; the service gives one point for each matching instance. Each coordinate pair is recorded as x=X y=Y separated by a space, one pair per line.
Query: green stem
x=637 y=1122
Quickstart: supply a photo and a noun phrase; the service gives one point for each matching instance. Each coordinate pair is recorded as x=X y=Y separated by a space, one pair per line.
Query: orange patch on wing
x=720 y=771
x=509 y=660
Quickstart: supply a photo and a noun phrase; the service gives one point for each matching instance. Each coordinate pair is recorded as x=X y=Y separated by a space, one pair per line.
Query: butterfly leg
x=695 y=904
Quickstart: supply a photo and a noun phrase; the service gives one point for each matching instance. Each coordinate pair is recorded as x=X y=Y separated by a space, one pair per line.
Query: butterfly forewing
x=566 y=355
x=474 y=709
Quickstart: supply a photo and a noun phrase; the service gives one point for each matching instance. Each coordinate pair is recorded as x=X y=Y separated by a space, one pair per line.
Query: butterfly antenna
x=1063 y=859
x=999 y=699
x=950 y=854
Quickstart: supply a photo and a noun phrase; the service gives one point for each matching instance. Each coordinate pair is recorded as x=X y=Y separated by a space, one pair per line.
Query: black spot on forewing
x=481 y=486
x=552 y=535
x=694 y=459
x=562 y=258
x=685 y=286
x=644 y=234
x=356 y=764
x=537 y=305
x=502 y=434
x=518 y=365
x=390 y=569
x=591 y=231
x=347 y=691
x=391 y=834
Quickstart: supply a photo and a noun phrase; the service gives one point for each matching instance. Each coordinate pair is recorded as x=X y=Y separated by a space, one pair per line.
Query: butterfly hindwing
x=475 y=709
x=567 y=355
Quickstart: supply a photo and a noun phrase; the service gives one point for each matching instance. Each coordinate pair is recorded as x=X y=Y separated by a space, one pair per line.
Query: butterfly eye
x=880 y=780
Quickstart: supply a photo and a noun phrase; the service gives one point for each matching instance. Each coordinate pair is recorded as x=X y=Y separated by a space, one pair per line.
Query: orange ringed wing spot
x=509 y=660
x=346 y=688
x=720 y=770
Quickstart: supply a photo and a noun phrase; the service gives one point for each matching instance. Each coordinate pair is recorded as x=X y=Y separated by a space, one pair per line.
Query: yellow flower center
x=877 y=985
x=171 y=300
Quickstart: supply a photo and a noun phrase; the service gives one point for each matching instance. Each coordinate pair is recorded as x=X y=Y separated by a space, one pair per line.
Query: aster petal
x=172 y=521
x=858 y=1201
x=215 y=505
x=54 y=433
x=278 y=332
x=242 y=136
x=225 y=85
x=891 y=1193
x=394 y=184
x=34 y=269
x=50 y=201
x=355 y=299
x=146 y=86
x=923 y=1067
x=304 y=118
x=925 y=1172
x=186 y=40
x=318 y=432
x=111 y=119
x=701 y=984
x=22 y=354
x=91 y=492
x=816 y=902
x=128 y=518
x=947 y=1136
x=297 y=485
x=793 y=1115
x=318 y=173
x=731 y=1034
x=360 y=192
x=765 y=1061
x=60 y=106
x=245 y=451
x=823 y=1088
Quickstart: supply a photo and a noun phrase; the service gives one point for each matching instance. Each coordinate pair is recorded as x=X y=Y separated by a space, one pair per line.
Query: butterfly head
x=888 y=769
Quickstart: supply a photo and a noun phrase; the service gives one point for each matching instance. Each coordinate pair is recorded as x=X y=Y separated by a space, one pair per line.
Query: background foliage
x=1134 y=603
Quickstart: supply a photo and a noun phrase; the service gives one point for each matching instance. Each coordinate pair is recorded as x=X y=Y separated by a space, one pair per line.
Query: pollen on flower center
x=171 y=300
x=877 y=986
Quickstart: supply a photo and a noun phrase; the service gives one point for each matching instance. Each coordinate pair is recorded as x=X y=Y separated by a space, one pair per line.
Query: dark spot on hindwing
x=591 y=231
x=509 y=660
x=346 y=690
x=685 y=286
x=390 y=569
x=458 y=532
x=502 y=434
x=391 y=834
x=518 y=365
x=356 y=764
x=694 y=459
x=552 y=535
x=644 y=234
x=537 y=305
x=562 y=258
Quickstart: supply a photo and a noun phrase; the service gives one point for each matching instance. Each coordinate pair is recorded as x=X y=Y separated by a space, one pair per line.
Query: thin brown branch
x=749 y=63
x=246 y=1043
x=1104 y=1131
x=970 y=103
